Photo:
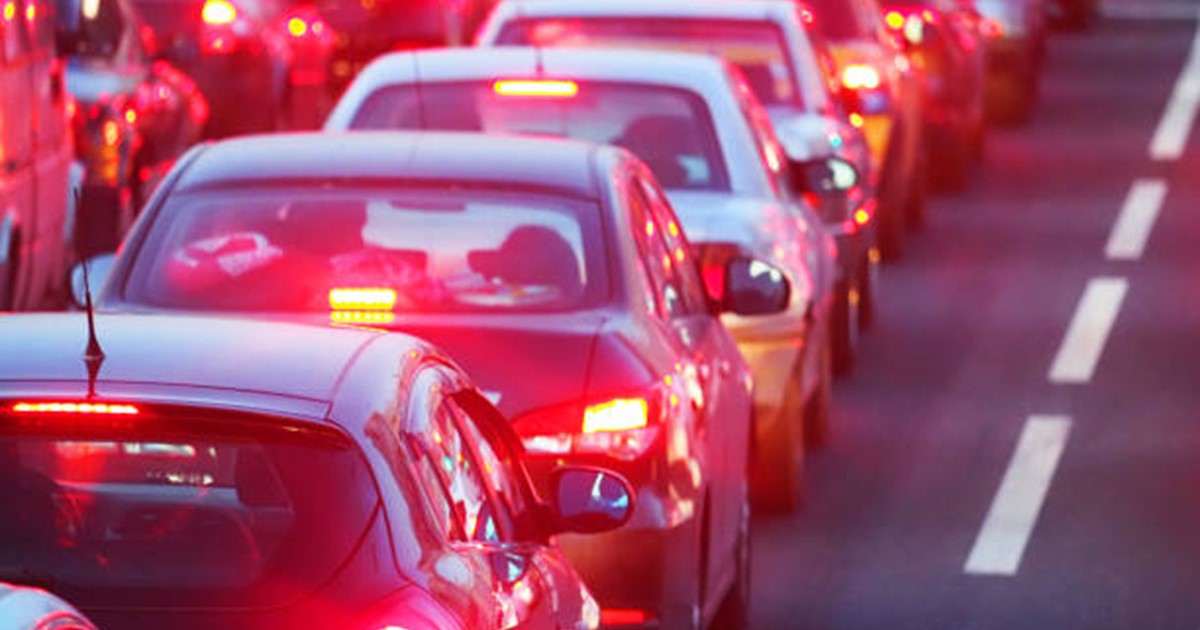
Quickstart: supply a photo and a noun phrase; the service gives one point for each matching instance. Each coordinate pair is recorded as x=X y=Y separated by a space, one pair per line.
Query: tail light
x=860 y=77
x=624 y=428
x=218 y=13
x=539 y=88
x=908 y=23
x=104 y=138
x=74 y=407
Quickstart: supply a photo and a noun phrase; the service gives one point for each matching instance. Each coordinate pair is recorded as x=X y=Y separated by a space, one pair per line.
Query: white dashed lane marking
x=1175 y=126
x=1128 y=238
x=1001 y=542
x=1088 y=332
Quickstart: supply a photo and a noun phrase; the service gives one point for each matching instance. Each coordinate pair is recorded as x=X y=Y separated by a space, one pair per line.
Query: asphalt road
x=996 y=465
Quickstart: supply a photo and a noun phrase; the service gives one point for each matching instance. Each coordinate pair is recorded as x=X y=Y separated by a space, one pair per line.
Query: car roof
x=713 y=9
x=550 y=164
x=226 y=355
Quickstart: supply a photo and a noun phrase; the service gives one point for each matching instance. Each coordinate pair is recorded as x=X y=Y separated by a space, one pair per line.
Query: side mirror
x=99 y=267
x=590 y=500
x=753 y=287
x=823 y=177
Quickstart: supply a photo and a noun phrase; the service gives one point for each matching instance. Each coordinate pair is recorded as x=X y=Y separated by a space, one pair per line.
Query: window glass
x=659 y=261
x=40 y=22
x=190 y=522
x=499 y=465
x=839 y=19
x=684 y=270
x=100 y=28
x=438 y=249
x=15 y=38
x=669 y=129
x=757 y=47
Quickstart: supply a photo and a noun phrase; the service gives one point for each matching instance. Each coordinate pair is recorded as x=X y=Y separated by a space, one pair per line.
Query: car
x=945 y=38
x=789 y=69
x=132 y=116
x=1014 y=37
x=26 y=608
x=229 y=473
x=262 y=64
x=553 y=271
x=884 y=91
x=36 y=211
x=695 y=122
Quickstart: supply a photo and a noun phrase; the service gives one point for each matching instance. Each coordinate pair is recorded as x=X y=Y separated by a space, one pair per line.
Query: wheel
x=778 y=479
x=846 y=326
x=868 y=289
x=8 y=275
x=817 y=428
x=734 y=613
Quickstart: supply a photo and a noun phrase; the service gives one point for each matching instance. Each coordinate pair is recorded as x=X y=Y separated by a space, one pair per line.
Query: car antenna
x=93 y=355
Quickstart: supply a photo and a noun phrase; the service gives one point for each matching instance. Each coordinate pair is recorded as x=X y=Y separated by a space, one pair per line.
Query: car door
x=707 y=356
x=462 y=466
x=18 y=210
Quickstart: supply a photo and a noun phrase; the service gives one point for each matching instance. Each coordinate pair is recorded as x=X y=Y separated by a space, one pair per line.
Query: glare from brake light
x=536 y=88
x=862 y=217
x=858 y=76
x=362 y=317
x=621 y=414
x=297 y=27
x=895 y=20
x=218 y=12
x=75 y=407
x=362 y=299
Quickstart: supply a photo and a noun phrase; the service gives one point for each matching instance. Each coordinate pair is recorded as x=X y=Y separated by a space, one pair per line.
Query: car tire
x=845 y=327
x=778 y=485
x=8 y=274
x=868 y=289
x=817 y=426
x=734 y=613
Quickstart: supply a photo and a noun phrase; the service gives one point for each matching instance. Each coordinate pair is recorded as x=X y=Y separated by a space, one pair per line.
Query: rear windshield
x=756 y=48
x=203 y=522
x=838 y=19
x=670 y=129
x=437 y=249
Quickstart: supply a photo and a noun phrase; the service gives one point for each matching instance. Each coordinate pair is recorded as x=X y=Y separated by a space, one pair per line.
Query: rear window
x=199 y=521
x=756 y=48
x=438 y=249
x=671 y=130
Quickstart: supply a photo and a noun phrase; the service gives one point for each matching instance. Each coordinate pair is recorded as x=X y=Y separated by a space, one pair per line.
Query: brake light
x=895 y=20
x=362 y=299
x=536 y=88
x=622 y=617
x=621 y=414
x=862 y=217
x=297 y=27
x=66 y=407
x=10 y=11
x=860 y=76
x=218 y=13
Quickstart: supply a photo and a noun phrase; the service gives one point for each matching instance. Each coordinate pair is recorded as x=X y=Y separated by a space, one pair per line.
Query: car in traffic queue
x=263 y=65
x=553 y=271
x=789 y=71
x=1014 y=36
x=132 y=116
x=36 y=166
x=945 y=40
x=884 y=92
x=216 y=473
x=26 y=608
x=696 y=123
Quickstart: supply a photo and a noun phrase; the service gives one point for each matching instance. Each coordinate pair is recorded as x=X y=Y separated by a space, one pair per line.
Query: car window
x=756 y=46
x=684 y=270
x=101 y=28
x=774 y=159
x=658 y=259
x=840 y=19
x=39 y=20
x=15 y=38
x=670 y=129
x=226 y=519
x=499 y=465
x=436 y=248
x=448 y=463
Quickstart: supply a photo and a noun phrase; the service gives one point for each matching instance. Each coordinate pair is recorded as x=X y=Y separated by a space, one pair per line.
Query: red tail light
x=623 y=428
x=536 y=88
x=622 y=616
x=218 y=13
x=74 y=407
x=860 y=77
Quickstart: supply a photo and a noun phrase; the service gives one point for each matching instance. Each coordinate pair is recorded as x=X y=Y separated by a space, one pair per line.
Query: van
x=35 y=158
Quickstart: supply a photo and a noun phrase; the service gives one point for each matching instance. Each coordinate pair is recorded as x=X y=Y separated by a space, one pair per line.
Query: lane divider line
x=1089 y=330
x=1009 y=524
x=1132 y=229
x=1175 y=126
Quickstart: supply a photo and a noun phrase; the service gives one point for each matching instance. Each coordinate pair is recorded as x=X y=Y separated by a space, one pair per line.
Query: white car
x=25 y=608
x=790 y=71
x=700 y=129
